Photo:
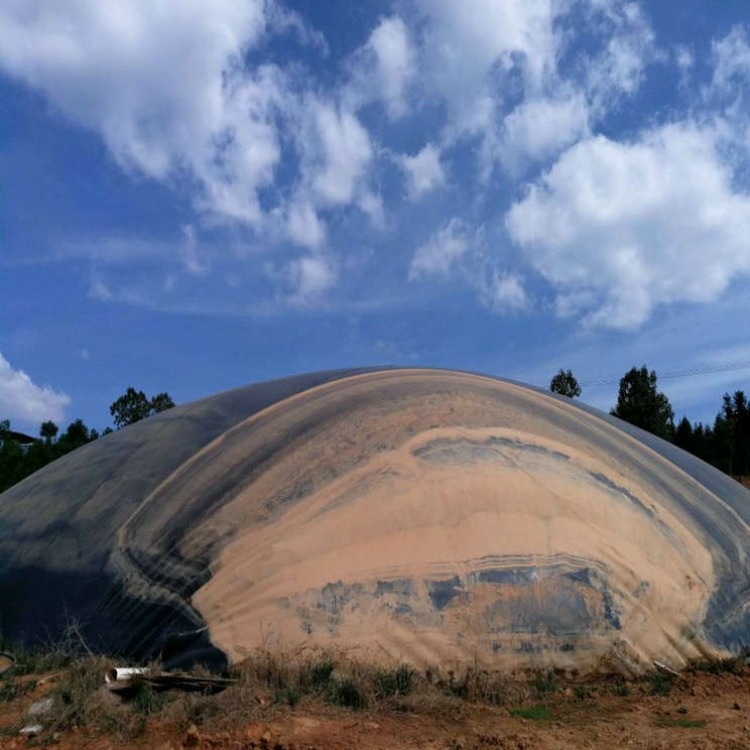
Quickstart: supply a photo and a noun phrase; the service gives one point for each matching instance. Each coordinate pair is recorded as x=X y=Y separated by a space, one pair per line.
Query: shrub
x=347 y=692
x=393 y=682
x=661 y=684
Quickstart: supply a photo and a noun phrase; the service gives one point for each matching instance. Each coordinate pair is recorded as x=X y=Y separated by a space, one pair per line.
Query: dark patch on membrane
x=605 y=481
x=507 y=576
x=398 y=587
x=110 y=620
x=335 y=596
x=461 y=450
x=443 y=592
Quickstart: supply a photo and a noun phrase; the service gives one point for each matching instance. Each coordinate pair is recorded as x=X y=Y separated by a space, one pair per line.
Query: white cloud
x=439 y=256
x=619 y=228
x=629 y=46
x=163 y=85
x=310 y=278
x=192 y=258
x=423 y=171
x=731 y=58
x=337 y=153
x=470 y=48
x=458 y=253
x=497 y=68
x=505 y=293
x=99 y=290
x=684 y=58
x=304 y=225
x=21 y=399
x=384 y=68
x=539 y=129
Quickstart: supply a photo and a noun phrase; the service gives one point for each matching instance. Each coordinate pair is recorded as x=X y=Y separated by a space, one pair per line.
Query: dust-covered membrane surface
x=433 y=518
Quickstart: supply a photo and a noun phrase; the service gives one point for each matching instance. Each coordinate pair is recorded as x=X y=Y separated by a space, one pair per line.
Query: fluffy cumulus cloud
x=619 y=228
x=423 y=171
x=497 y=68
x=339 y=154
x=540 y=128
x=469 y=45
x=505 y=293
x=162 y=83
x=628 y=46
x=274 y=140
x=384 y=68
x=443 y=252
x=309 y=279
x=21 y=399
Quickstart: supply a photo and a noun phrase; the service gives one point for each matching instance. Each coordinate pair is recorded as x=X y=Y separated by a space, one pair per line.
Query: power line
x=671 y=374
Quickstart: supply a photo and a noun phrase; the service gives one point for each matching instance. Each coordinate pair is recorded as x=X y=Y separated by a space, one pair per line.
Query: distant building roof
x=19 y=437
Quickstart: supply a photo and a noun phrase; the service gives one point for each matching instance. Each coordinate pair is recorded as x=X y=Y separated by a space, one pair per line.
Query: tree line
x=22 y=455
x=725 y=443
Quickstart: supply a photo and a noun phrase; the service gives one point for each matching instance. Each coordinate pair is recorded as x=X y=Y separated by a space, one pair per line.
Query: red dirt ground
x=702 y=710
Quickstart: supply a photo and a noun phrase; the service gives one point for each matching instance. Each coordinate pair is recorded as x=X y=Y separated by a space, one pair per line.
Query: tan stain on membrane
x=437 y=517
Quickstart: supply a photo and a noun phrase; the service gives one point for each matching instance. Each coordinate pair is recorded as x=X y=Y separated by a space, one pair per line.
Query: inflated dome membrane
x=428 y=516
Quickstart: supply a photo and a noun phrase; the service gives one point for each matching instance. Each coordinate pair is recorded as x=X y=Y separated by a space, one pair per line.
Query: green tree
x=161 y=402
x=683 y=435
x=48 y=430
x=643 y=405
x=76 y=435
x=134 y=406
x=733 y=424
x=565 y=384
x=131 y=407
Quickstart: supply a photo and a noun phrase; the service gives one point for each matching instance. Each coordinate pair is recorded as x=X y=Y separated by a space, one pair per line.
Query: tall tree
x=161 y=402
x=134 y=405
x=643 y=405
x=48 y=430
x=131 y=407
x=683 y=435
x=734 y=428
x=565 y=384
x=76 y=435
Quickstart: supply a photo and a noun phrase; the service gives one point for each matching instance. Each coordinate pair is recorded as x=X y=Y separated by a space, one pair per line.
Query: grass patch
x=681 y=723
x=389 y=683
x=544 y=685
x=535 y=713
x=320 y=673
x=660 y=683
x=72 y=695
x=717 y=666
x=346 y=693
x=289 y=696
x=268 y=682
x=11 y=688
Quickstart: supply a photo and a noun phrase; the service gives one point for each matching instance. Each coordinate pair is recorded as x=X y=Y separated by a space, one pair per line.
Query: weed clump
x=346 y=692
x=660 y=683
x=535 y=713
x=389 y=683
x=320 y=674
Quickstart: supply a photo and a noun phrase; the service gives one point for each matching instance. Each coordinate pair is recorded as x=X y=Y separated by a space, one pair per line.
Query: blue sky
x=201 y=195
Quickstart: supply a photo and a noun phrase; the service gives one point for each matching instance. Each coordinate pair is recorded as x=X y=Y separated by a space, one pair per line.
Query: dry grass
x=269 y=682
